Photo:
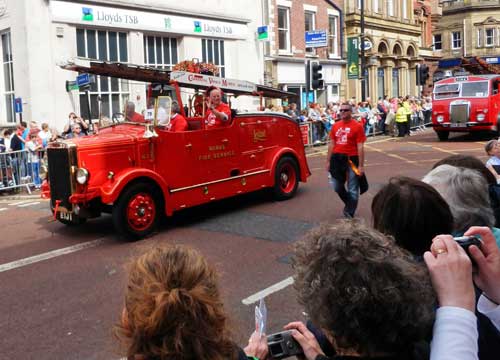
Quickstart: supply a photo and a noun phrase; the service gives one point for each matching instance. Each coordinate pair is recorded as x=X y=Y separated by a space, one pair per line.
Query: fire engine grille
x=459 y=113
x=60 y=161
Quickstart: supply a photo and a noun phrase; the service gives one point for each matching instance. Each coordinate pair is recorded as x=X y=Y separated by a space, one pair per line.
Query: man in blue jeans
x=346 y=158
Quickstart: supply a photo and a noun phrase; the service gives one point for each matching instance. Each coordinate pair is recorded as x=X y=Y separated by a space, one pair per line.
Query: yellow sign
x=259 y=135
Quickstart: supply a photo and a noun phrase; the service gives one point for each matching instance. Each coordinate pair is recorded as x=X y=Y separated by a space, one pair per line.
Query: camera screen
x=275 y=349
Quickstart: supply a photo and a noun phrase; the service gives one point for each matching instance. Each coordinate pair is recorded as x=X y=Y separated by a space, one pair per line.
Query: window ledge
x=284 y=53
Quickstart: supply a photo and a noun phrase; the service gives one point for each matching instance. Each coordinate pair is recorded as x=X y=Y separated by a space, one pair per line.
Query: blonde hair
x=173 y=308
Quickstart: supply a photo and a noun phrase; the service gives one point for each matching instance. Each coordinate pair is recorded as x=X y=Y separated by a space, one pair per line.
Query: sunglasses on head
x=342 y=110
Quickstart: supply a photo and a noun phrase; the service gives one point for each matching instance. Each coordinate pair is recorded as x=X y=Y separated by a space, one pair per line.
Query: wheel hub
x=141 y=211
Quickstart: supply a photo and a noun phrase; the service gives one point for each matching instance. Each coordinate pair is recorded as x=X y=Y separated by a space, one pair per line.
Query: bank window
x=112 y=92
x=332 y=35
x=404 y=9
x=479 y=37
x=390 y=7
x=456 y=40
x=8 y=73
x=213 y=52
x=376 y=8
x=160 y=52
x=284 y=29
x=309 y=21
x=489 y=37
x=438 y=42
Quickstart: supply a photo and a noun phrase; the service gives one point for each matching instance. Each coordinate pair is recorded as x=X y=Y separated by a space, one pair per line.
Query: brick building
x=285 y=53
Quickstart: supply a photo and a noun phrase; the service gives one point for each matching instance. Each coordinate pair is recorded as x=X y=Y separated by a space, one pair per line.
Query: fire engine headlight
x=440 y=118
x=82 y=176
x=480 y=117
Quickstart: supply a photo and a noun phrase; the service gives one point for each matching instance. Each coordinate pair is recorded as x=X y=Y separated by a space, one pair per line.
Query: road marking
x=19 y=202
x=29 y=204
x=268 y=291
x=3 y=209
x=49 y=255
x=392 y=155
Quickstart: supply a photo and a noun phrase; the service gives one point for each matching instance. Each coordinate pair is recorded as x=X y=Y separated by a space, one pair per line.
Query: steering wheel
x=118 y=117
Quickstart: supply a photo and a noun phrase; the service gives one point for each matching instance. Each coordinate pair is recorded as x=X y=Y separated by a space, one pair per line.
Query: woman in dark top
x=173 y=311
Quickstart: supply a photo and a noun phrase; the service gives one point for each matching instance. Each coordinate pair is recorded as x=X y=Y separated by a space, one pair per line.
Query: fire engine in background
x=466 y=104
x=140 y=172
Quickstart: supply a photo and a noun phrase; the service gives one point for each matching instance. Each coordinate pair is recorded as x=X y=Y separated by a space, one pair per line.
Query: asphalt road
x=62 y=287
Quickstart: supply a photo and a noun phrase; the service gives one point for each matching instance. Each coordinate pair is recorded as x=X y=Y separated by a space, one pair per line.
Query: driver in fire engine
x=219 y=113
x=131 y=115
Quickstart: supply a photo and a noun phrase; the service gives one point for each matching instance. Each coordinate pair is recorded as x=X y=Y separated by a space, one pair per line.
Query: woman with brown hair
x=173 y=311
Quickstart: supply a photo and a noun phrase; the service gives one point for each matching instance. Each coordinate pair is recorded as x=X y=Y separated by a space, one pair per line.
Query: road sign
x=18 y=105
x=83 y=80
x=316 y=38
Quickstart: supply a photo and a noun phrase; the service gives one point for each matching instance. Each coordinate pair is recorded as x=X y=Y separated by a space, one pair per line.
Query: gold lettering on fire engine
x=216 y=148
x=217 y=155
x=259 y=135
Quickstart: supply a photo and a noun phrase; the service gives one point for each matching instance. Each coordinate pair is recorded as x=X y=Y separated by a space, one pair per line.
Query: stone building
x=35 y=35
x=286 y=52
x=467 y=28
x=392 y=46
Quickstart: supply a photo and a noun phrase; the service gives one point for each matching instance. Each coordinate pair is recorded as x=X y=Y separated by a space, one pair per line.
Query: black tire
x=443 y=135
x=286 y=178
x=148 y=201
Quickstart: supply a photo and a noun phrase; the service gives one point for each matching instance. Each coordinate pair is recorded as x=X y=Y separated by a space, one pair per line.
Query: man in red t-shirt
x=131 y=115
x=347 y=143
x=219 y=113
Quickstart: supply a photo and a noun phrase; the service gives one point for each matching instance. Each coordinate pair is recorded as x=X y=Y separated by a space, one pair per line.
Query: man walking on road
x=346 y=158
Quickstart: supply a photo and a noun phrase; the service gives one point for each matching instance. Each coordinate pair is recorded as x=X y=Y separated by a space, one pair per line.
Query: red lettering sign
x=304 y=130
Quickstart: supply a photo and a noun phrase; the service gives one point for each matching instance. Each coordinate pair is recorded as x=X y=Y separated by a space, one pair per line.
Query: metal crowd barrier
x=21 y=169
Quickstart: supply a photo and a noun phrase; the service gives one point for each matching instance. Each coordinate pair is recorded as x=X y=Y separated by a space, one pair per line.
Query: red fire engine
x=141 y=171
x=466 y=104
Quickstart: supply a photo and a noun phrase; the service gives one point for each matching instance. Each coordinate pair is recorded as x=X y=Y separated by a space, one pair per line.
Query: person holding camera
x=369 y=296
x=455 y=334
x=73 y=120
x=173 y=311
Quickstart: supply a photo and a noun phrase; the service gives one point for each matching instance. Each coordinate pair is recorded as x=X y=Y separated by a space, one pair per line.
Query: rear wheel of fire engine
x=286 y=178
x=137 y=212
x=443 y=135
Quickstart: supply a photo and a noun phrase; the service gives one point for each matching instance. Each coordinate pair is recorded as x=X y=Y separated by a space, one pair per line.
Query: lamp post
x=362 y=44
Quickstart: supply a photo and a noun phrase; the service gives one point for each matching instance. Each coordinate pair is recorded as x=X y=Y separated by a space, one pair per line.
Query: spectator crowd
x=388 y=116
x=404 y=287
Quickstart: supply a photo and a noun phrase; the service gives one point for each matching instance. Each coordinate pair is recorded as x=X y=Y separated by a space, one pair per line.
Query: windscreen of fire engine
x=475 y=89
x=446 y=91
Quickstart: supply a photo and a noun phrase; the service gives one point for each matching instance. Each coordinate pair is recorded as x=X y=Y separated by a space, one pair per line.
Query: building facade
x=467 y=28
x=286 y=52
x=392 y=47
x=37 y=35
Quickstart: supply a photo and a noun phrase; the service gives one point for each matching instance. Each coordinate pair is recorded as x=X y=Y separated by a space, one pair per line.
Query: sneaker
x=2 y=185
x=347 y=215
x=11 y=183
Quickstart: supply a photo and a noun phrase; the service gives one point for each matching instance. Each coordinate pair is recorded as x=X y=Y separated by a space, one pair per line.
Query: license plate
x=66 y=216
x=456 y=125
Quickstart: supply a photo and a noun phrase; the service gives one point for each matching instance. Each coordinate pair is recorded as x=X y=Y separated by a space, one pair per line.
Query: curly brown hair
x=173 y=308
x=362 y=289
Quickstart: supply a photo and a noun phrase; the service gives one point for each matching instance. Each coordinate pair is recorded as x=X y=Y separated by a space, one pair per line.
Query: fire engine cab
x=466 y=104
x=141 y=171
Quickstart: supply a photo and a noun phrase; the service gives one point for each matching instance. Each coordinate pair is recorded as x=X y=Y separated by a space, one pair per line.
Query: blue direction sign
x=18 y=105
x=316 y=38
x=83 y=80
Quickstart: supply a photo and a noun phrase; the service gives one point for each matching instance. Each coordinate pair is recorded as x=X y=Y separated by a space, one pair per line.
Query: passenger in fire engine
x=173 y=310
x=133 y=116
x=177 y=121
x=219 y=113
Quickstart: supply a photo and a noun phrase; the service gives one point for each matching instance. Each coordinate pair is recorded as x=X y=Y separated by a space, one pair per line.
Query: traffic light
x=422 y=74
x=315 y=75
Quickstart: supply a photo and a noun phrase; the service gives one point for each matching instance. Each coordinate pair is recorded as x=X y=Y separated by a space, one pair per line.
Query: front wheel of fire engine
x=137 y=212
x=443 y=135
x=286 y=178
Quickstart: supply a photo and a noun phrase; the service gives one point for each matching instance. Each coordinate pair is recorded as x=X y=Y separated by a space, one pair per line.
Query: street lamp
x=362 y=44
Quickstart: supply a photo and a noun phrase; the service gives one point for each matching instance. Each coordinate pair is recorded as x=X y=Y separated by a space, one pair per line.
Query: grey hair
x=131 y=104
x=175 y=107
x=466 y=192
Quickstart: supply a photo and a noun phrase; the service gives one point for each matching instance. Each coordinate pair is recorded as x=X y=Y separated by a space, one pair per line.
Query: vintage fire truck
x=466 y=104
x=140 y=172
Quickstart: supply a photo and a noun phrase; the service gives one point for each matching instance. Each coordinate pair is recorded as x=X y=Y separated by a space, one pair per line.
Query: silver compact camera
x=282 y=345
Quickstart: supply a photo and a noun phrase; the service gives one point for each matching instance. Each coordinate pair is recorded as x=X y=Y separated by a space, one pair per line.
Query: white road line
x=3 y=209
x=49 y=255
x=19 y=202
x=268 y=291
x=29 y=204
